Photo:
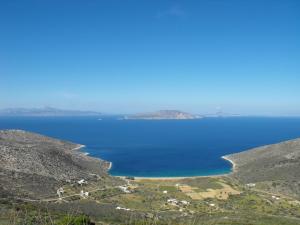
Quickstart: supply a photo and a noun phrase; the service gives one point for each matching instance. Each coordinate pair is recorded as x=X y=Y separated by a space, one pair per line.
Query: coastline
x=186 y=177
x=172 y=178
x=109 y=166
x=232 y=162
x=86 y=154
x=80 y=146
x=78 y=150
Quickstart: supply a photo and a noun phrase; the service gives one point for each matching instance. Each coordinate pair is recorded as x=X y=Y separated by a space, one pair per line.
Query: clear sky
x=143 y=55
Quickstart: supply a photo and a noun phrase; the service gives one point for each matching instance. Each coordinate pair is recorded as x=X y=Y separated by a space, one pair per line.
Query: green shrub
x=75 y=220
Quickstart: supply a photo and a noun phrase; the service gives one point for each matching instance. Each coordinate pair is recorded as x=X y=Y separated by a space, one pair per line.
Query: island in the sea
x=163 y=115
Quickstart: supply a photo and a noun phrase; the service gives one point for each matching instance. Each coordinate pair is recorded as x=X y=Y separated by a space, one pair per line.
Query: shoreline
x=78 y=151
x=78 y=147
x=232 y=163
x=233 y=168
x=162 y=178
x=109 y=167
x=171 y=178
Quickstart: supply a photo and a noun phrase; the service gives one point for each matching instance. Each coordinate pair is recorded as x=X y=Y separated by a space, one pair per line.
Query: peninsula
x=273 y=167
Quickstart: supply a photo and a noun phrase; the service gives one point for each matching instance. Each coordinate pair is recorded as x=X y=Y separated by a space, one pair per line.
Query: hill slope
x=34 y=165
x=276 y=167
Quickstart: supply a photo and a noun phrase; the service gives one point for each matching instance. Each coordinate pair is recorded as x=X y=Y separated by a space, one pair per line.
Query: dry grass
x=222 y=193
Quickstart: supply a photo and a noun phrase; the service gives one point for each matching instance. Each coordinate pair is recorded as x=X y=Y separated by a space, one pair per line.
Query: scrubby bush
x=75 y=220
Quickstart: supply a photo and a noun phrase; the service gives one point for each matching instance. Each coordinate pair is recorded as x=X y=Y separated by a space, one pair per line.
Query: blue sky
x=125 y=56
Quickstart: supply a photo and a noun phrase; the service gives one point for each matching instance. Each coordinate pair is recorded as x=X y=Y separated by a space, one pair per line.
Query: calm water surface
x=163 y=148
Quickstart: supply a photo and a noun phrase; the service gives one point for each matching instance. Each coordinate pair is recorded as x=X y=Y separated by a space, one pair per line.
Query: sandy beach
x=172 y=178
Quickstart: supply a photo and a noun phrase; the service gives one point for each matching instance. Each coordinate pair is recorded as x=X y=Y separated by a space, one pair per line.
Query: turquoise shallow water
x=163 y=148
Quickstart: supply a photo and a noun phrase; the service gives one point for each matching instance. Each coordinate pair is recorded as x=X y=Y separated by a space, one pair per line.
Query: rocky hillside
x=275 y=167
x=35 y=165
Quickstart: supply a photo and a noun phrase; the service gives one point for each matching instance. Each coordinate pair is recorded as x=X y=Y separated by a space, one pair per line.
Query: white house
x=60 y=192
x=81 y=182
x=121 y=208
x=124 y=189
x=172 y=201
x=251 y=185
x=184 y=202
x=275 y=197
x=84 y=194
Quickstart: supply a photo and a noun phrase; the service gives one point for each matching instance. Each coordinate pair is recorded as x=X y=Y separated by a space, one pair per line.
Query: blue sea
x=162 y=148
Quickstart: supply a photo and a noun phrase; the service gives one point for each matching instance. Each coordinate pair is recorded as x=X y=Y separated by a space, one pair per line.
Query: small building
x=121 y=208
x=172 y=201
x=124 y=189
x=275 y=197
x=84 y=194
x=60 y=191
x=251 y=185
x=81 y=182
x=165 y=192
x=184 y=202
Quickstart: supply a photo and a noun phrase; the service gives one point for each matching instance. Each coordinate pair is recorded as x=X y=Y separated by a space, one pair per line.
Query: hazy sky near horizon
x=141 y=55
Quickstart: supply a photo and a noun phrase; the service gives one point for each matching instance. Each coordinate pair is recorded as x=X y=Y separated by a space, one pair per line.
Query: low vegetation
x=158 y=202
x=101 y=199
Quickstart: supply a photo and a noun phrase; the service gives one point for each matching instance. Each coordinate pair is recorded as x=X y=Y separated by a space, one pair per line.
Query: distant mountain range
x=46 y=111
x=157 y=115
x=163 y=115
